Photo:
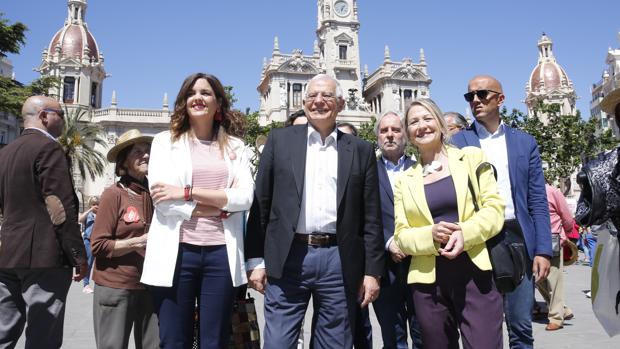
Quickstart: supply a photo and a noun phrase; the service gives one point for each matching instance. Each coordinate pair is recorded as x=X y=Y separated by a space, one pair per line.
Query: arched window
x=68 y=89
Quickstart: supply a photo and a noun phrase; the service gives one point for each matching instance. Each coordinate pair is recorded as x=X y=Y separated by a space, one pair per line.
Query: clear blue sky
x=150 y=46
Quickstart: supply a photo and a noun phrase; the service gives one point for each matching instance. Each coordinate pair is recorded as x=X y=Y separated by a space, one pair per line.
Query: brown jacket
x=40 y=208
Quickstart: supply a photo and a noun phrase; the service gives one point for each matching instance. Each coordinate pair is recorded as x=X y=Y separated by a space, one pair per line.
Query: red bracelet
x=187 y=192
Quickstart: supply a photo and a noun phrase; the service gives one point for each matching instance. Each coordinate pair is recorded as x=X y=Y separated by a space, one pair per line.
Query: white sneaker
x=87 y=289
x=589 y=294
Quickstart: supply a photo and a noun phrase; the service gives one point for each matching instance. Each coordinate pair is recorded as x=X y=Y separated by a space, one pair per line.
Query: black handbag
x=506 y=249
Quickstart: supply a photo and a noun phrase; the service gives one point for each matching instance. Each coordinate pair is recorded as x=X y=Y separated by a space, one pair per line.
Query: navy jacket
x=527 y=186
x=387 y=215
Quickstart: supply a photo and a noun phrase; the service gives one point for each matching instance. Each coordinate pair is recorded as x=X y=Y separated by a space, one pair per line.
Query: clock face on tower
x=341 y=8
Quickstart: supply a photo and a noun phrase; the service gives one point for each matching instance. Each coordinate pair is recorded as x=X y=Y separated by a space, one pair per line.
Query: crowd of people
x=327 y=217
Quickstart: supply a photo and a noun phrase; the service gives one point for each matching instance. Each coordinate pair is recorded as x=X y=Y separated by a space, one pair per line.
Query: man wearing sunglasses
x=521 y=183
x=40 y=236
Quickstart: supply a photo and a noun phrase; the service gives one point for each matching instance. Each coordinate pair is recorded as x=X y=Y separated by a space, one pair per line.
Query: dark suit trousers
x=38 y=295
x=308 y=271
x=394 y=308
x=462 y=298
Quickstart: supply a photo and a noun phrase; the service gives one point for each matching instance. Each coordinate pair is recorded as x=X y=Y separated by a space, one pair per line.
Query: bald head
x=488 y=97
x=491 y=83
x=39 y=112
x=34 y=105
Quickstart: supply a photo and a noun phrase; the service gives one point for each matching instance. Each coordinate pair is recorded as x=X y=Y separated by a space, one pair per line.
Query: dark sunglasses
x=482 y=94
x=59 y=112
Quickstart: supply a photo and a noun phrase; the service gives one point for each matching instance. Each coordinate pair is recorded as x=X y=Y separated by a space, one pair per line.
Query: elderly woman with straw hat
x=118 y=244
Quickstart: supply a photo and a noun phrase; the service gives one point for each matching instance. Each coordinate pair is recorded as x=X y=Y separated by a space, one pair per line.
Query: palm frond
x=79 y=139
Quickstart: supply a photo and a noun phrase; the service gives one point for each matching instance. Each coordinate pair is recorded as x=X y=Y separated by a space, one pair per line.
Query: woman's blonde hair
x=434 y=110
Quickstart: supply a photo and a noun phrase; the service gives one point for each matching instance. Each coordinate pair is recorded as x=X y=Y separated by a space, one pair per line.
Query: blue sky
x=150 y=46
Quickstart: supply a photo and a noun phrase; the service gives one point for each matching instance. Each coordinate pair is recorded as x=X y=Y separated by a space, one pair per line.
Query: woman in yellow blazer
x=435 y=221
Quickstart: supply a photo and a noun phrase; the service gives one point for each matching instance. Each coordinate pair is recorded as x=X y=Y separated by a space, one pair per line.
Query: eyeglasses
x=328 y=97
x=59 y=112
x=482 y=94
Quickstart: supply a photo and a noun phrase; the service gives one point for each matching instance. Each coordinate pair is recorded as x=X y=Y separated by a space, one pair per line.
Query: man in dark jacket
x=40 y=237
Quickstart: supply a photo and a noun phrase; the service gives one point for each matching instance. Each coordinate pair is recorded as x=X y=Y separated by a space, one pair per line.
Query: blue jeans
x=518 y=306
x=202 y=273
x=89 y=257
x=590 y=245
x=308 y=271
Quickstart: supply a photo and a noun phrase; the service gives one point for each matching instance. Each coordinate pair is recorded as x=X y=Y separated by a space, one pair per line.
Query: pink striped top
x=209 y=172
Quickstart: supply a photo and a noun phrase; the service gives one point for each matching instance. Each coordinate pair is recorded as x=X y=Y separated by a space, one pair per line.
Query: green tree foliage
x=366 y=131
x=12 y=36
x=253 y=131
x=12 y=93
x=79 y=139
x=564 y=141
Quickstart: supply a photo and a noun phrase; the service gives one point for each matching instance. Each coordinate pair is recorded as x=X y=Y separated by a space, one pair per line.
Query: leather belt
x=317 y=239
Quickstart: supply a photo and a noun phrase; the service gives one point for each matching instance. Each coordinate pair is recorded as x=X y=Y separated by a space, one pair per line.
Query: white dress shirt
x=318 y=205
x=494 y=145
x=393 y=169
x=42 y=131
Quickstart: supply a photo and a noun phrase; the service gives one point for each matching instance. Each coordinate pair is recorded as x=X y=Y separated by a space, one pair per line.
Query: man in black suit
x=394 y=307
x=315 y=222
x=40 y=237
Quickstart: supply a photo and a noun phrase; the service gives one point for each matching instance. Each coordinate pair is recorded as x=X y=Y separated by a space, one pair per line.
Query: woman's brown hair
x=231 y=123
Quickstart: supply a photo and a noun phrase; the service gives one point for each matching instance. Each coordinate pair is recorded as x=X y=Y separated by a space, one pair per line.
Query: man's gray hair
x=327 y=77
x=459 y=119
x=390 y=112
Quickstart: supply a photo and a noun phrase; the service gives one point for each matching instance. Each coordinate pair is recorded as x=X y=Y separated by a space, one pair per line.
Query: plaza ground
x=583 y=331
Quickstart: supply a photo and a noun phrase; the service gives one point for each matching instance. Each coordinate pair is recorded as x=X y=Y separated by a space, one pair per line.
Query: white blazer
x=171 y=163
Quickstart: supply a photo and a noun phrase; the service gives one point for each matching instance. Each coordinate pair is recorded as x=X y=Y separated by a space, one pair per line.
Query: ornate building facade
x=336 y=52
x=549 y=83
x=74 y=57
x=610 y=80
x=9 y=124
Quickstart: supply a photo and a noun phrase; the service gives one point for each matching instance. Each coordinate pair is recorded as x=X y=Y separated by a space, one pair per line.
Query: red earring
x=218 y=116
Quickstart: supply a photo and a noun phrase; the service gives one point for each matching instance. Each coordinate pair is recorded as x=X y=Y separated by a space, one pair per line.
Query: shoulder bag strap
x=480 y=168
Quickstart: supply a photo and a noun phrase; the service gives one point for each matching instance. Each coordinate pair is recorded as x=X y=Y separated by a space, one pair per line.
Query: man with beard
x=394 y=307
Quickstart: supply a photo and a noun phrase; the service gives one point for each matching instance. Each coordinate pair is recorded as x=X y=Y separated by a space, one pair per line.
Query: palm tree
x=79 y=139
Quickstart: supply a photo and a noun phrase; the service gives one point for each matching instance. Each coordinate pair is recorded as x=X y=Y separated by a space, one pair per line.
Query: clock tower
x=338 y=41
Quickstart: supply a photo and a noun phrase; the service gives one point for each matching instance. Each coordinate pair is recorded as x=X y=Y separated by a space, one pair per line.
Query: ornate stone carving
x=344 y=39
x=408 y=72
x=283 y=96
x=298 y=64
x=354 y=102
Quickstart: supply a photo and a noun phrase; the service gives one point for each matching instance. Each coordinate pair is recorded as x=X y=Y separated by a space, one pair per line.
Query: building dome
x=549 y=84
x=74 y=40
x=548 y=75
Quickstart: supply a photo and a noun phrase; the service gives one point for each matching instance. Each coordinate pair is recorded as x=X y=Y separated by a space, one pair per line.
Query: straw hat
x=570 y=252
x=260 y=143
x=609 y=103
x=128 y=138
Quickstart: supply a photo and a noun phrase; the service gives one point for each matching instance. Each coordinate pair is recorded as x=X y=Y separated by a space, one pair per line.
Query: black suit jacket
x=278 y=196
x=387 y=216
x=34 y=182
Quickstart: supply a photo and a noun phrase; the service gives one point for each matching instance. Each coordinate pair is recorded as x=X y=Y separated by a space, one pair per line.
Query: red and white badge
x=131 y=215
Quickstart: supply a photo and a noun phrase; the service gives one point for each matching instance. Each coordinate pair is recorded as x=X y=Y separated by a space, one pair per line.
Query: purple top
x=441 y=200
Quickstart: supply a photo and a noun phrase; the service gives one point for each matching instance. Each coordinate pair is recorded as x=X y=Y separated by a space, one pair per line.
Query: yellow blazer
x=413 y=219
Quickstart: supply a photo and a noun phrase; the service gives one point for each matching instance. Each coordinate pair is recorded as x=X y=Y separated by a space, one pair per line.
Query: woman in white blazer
x=201 y=186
